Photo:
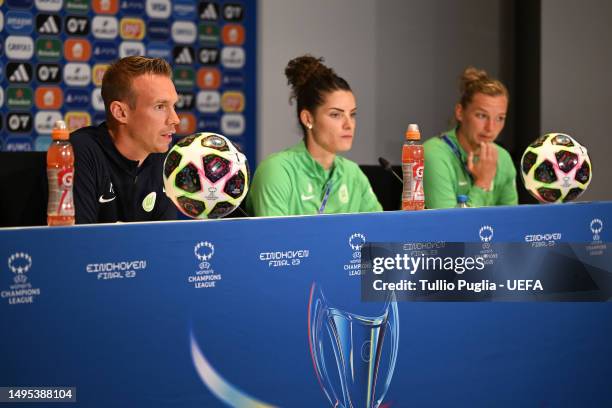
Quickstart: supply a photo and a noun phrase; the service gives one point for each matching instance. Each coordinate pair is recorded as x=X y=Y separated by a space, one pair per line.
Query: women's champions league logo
x=486 y=233
x=356 y=242
x=204 y=251
x=596 y=228
x=20 y=263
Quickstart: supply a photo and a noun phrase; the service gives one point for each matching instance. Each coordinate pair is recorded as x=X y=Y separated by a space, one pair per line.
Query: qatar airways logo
x=184 y=32
x=19 y=48
x=49 y=5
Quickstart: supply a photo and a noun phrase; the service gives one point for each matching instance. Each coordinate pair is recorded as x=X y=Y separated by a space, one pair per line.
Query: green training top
x=291 y=182
x=445 y=177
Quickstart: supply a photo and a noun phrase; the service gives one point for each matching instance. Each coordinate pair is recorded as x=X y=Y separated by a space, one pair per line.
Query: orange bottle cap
x=60 y=131
x=413 y=133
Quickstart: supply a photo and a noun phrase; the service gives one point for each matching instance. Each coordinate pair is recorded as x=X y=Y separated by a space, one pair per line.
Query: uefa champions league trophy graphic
x=357 y=344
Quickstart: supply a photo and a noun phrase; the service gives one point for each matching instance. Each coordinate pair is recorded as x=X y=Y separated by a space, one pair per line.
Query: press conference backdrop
x=203 y=314
x=53 y=55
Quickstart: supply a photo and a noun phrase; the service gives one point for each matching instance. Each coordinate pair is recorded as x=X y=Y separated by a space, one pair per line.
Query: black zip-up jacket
x=109 y=187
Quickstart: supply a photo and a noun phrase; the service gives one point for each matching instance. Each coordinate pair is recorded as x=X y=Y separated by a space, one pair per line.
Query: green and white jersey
x=291 y=182
x=446 y=177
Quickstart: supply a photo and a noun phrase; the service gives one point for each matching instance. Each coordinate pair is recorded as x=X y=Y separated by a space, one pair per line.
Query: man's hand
x=484 y=170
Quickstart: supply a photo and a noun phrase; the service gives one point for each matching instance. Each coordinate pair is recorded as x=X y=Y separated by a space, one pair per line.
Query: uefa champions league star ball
x=206 y=176
x=556 y=168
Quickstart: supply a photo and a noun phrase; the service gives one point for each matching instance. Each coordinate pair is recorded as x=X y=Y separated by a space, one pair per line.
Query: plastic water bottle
x=462 y=201
x=60 y=174
x=413 y=166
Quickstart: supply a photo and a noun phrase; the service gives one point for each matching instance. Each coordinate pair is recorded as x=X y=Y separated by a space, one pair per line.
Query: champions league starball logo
x=486 y=233
x=204 y=251
x=19 y=263
x=356 y=242
x=596 y=228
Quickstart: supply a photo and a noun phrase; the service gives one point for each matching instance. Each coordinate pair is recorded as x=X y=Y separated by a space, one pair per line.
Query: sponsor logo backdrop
x=53 y=54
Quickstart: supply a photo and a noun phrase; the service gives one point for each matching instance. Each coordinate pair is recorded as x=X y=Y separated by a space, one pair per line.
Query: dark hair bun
x=301 y=70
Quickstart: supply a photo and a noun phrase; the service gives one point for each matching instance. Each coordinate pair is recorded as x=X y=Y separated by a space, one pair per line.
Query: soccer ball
x=206 y=176
x=556 y=168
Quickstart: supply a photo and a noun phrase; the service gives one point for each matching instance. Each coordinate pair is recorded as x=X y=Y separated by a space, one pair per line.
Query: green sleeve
x=270 y=190
x=477 y=197
x=439 y=180
x=508 y=194
x=369 y=201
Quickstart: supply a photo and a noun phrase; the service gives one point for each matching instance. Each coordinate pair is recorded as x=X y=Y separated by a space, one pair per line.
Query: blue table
x=194 y=313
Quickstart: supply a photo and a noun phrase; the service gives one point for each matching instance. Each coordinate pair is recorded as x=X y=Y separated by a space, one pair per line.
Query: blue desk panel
x=194 y=313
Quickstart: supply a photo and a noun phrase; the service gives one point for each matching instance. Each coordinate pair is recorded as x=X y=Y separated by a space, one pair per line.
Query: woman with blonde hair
x=465 y=160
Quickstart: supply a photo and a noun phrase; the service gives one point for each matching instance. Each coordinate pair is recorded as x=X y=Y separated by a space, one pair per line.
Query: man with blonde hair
x=119 y=164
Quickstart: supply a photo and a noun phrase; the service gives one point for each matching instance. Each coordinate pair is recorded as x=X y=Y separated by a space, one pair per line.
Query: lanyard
x=455 y=150
x=328 y=187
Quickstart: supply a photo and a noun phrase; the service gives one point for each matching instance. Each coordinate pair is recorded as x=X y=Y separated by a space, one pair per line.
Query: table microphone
x=387 y=166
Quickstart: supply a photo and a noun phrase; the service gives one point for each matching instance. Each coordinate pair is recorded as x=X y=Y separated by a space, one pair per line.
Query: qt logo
x=19 y=122
x=77 y=25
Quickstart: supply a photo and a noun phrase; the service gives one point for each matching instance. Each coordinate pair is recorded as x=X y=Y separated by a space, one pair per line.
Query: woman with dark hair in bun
x=310 y=177
x=465 y=160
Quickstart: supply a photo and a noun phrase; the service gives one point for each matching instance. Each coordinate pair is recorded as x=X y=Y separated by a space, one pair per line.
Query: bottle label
x=413 y=184
x=60 y=192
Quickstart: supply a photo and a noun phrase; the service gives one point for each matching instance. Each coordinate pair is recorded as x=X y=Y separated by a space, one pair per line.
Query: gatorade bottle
x=60 y=172
x=413 y=166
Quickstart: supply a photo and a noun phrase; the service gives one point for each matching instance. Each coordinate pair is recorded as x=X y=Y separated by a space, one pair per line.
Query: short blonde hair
x=475 y=81
x=117 y=80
